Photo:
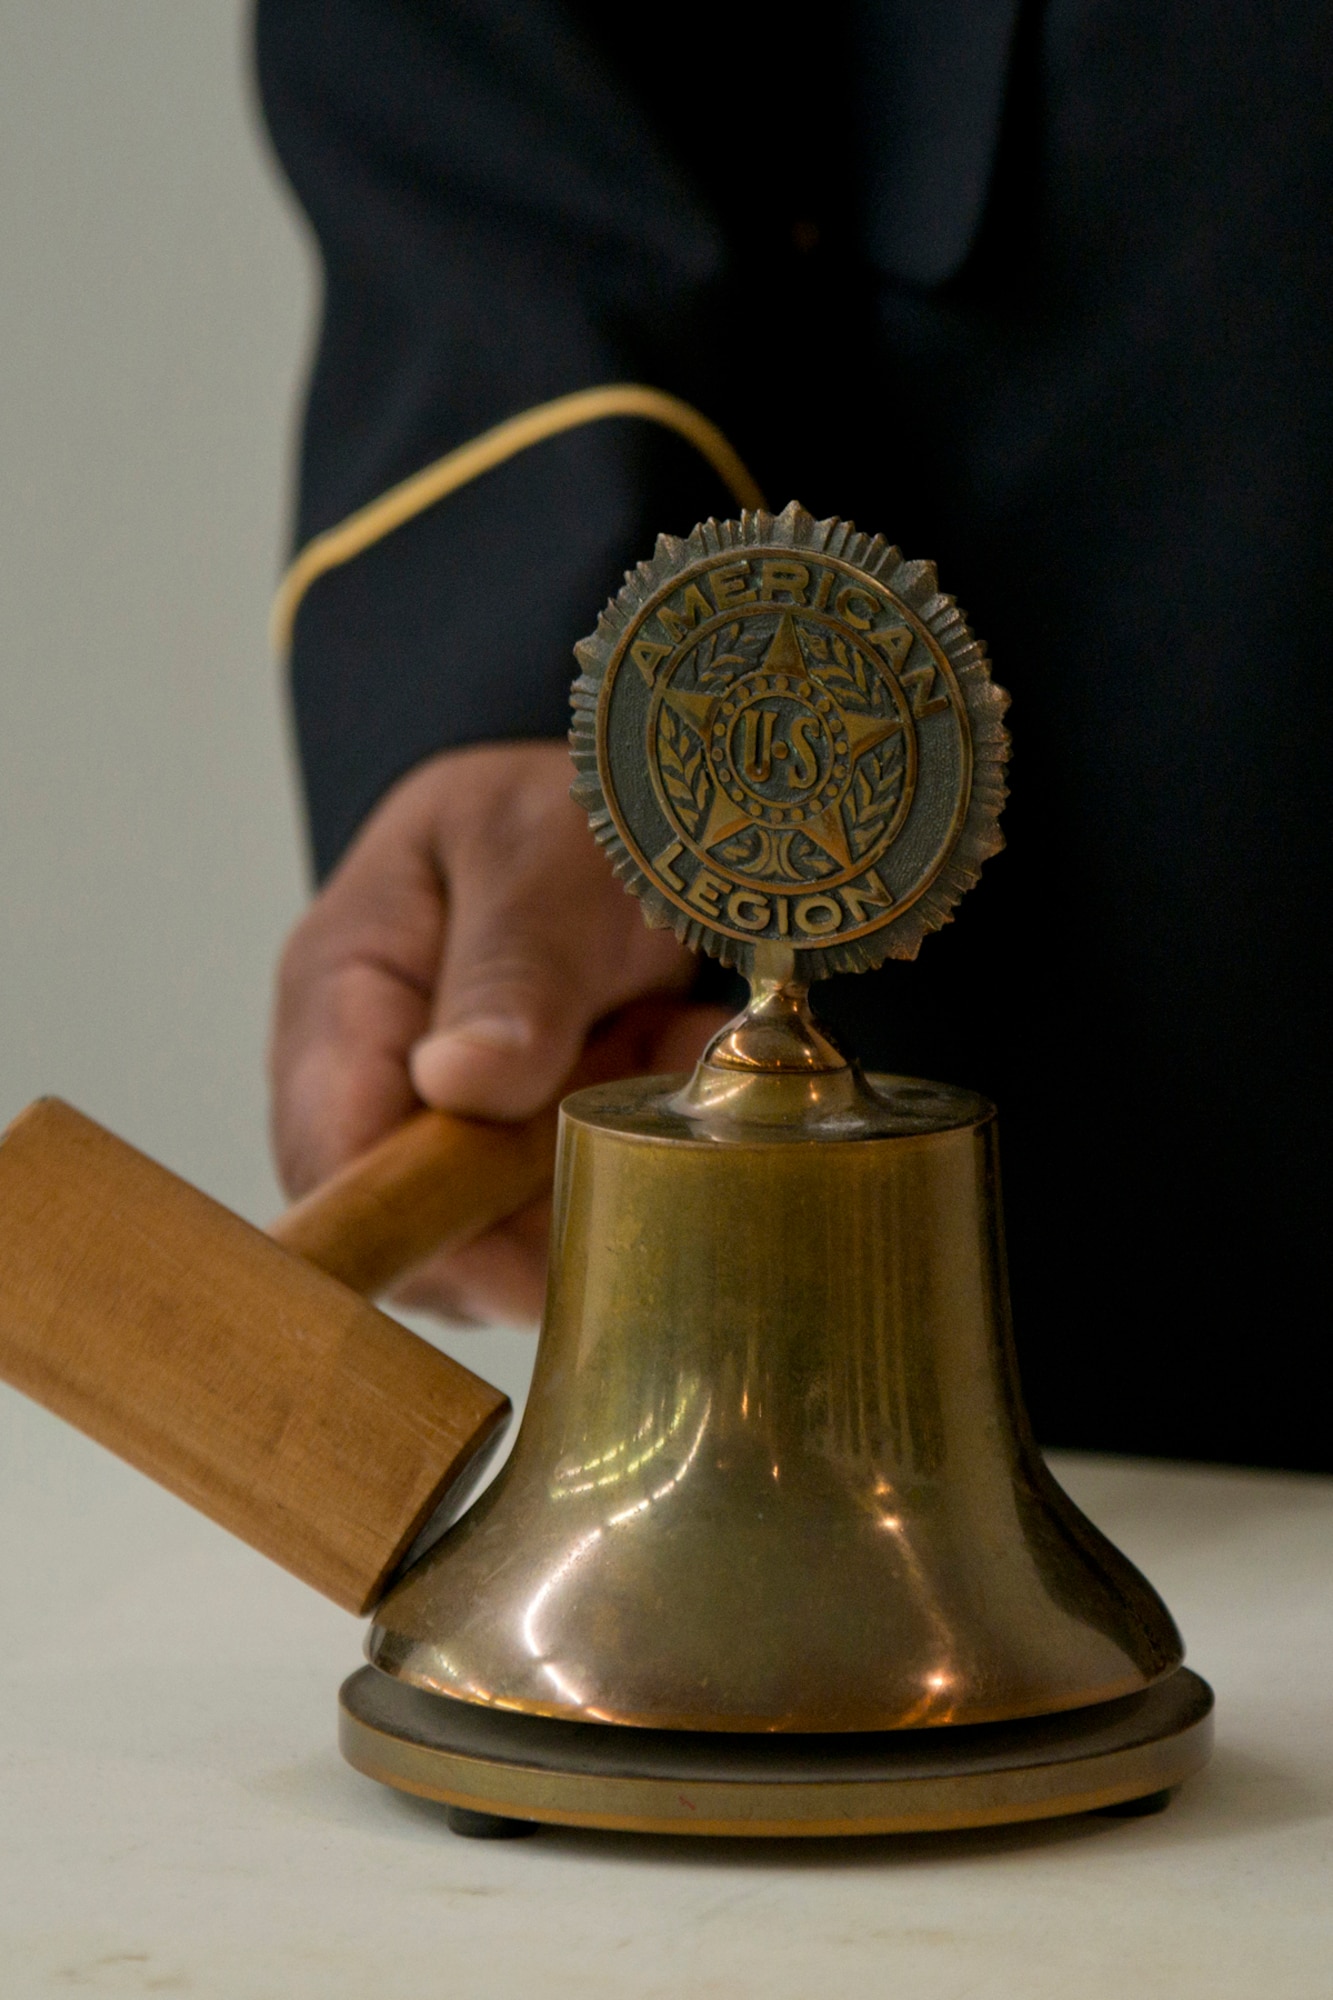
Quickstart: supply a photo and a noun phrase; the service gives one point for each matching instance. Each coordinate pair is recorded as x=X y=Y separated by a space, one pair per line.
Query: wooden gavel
x=246 y=1371
x=433 y=1185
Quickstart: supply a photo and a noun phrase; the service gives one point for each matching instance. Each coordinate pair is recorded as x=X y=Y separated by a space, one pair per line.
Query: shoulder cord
x=378 y=518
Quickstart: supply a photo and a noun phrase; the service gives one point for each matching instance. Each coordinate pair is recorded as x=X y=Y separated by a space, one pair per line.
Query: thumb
x=529 y=966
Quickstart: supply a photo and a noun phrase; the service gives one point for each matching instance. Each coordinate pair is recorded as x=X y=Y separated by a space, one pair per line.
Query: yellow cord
x=412 y=496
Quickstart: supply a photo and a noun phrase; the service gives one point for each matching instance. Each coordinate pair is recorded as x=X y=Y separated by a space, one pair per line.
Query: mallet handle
x=433 y=1184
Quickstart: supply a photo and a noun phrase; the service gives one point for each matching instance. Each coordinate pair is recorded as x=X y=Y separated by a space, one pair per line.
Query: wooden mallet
x=245 y=1371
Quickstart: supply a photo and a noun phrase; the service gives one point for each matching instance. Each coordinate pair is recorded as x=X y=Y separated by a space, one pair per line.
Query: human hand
x=470 y=950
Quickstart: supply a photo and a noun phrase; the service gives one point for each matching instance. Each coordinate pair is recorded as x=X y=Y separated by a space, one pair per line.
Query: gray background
x=156 y=299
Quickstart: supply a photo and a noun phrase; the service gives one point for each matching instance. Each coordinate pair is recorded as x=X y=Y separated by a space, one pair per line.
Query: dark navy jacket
x=1043 y=292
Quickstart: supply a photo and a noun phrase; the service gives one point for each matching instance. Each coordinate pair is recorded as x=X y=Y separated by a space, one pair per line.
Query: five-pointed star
x=860 y=732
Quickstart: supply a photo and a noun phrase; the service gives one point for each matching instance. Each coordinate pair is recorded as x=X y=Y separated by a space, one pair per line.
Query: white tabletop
x=175 y=1817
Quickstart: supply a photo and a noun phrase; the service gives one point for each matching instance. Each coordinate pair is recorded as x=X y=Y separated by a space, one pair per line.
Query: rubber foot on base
x=487 y=1826
x=1151 y=1802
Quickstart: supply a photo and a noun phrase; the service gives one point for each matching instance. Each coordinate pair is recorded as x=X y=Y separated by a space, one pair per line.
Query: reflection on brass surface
x=774 y=1474
x=648 y=1781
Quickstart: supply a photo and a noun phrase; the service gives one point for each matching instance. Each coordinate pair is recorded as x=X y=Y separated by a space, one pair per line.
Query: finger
x=654 y=1037
x=542 y=942
x=353 y=996
x=683 y=1037
x=501 y=1277
x=498 y=1280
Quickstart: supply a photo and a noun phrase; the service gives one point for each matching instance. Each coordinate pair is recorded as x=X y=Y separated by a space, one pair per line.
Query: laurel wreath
x=684 y=773
x=715 y=654
x=753 y=852
x=876 y=788
x=843 y=666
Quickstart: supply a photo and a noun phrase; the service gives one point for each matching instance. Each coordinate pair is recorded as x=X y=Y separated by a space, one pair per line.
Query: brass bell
x=774 y=1473
x=775 y=1480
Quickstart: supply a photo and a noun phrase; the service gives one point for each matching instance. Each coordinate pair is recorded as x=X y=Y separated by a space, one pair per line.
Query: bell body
x=774 y=1472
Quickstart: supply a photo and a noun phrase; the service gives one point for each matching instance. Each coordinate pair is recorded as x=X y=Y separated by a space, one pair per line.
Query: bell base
x=528 y=1768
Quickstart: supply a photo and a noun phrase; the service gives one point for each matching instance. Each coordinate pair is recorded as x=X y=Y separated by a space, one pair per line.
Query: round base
x=522 y=1767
